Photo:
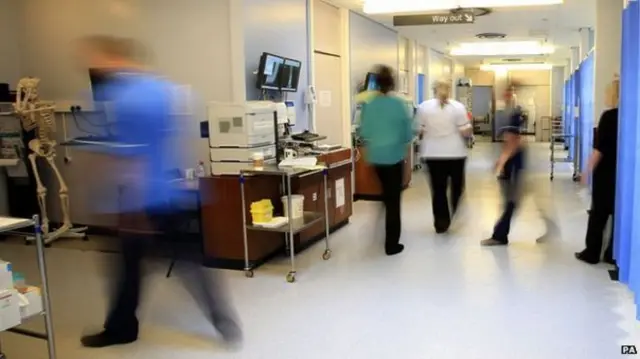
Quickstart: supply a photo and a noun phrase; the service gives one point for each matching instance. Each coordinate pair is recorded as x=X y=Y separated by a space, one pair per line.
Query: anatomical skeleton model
x=39 y=116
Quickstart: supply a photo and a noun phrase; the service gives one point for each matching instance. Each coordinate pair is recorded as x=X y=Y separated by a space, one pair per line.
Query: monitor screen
x=269 y=72
x=371 y=82
x=290 y=75
x=98 y=78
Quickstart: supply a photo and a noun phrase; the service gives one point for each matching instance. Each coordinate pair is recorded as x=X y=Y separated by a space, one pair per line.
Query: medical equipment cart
x=8 y=224
x=559 y=140
x=293 y=226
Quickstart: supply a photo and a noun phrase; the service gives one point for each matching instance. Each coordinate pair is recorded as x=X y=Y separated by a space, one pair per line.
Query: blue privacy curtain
x=571 y=113
x=420 y=80
x=627 y=225
x=577 y=128
x=586 y=91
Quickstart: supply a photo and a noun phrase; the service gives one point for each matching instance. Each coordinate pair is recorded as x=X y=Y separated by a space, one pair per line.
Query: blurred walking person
x=141 y=104
x=445 y=130
x=387 y=130
x=511 y=175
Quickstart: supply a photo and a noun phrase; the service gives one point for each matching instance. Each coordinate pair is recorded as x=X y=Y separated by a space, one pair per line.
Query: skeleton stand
x=39 y=116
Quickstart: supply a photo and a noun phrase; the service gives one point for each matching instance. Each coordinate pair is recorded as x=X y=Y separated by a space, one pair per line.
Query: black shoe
x=491 y=242
x=393 y=250
x=104 y=339
x=581 y=256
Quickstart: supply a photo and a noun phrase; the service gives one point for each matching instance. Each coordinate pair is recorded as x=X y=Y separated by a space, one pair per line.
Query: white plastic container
x=297 y=203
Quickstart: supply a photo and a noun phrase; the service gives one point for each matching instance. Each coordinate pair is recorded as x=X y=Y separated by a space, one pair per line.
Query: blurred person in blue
x=386 y=130
x=140 y=103
x=510 y=169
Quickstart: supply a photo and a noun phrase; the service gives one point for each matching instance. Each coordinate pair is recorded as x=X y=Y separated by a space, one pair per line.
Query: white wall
x=370 y=44
x=9 y=42
x=439 y=67
x=278 y=27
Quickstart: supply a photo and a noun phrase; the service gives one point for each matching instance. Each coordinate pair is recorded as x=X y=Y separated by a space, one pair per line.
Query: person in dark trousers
x=445 y=130
x=140 y=103
x=386 y=129
x=603 y=165
x=510 y=168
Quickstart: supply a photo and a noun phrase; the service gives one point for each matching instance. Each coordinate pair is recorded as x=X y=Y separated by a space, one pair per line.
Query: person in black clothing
x=602 y=164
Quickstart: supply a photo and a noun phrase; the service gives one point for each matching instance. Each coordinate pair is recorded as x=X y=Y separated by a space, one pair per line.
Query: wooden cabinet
x=222 y=211
x=367 y=185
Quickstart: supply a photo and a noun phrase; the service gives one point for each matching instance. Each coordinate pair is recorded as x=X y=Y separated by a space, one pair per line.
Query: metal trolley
x=559 y=140
x=293 y=226
x=13 y=224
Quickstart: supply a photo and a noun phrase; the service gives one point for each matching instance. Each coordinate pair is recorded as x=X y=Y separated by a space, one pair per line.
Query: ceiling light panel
x=512 y=67
x=502 y=48
x=411 y=6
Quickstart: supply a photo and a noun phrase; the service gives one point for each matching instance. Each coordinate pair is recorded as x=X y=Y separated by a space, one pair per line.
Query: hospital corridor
x=445 y=297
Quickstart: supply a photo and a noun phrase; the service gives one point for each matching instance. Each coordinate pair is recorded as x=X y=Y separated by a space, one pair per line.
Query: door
x=329 y=121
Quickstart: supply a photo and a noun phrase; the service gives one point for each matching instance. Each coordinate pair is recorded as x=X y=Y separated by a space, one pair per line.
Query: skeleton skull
x=27 y=92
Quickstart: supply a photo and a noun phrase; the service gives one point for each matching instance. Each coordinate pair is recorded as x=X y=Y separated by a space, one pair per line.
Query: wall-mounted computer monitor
x=99 y=79
x=371 y=82
x=290 y=75
x=270 y=72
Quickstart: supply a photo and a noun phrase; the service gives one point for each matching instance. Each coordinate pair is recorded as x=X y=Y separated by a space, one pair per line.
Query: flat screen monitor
x=99 y=79
x=371 y=82
x=290 y=75
x=269 y=72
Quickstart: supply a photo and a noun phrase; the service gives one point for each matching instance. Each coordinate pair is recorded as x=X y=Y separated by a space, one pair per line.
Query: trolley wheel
x=85 y=238
x=291 y=277
x=551 y=178
x=26 y=243
x=47 y=245
x=576 y=178
x=248 y=273
x=326 y=255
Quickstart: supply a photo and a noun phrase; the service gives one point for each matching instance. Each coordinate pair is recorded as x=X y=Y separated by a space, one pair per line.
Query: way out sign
x=434 y=19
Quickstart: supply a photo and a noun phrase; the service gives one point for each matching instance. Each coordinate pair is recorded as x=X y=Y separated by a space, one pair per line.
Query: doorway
x=329 y=107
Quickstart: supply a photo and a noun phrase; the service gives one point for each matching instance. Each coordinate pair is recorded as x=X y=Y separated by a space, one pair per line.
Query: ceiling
x=557 y=24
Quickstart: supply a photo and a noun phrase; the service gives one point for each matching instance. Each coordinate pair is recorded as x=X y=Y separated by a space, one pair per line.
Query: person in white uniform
x=444 y=128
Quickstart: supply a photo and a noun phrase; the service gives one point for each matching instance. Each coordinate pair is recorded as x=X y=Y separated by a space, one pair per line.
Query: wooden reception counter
x=221 y=213
x=367 y=186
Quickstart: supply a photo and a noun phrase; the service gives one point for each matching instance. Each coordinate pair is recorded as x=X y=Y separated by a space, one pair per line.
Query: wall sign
x=434 y=19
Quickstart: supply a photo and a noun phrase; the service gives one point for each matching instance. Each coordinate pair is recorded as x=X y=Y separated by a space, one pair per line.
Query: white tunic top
x=441 y=126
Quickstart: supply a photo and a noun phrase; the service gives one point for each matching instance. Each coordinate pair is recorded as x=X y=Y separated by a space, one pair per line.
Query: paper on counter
x=340 y=197
x=9 y=310
x=6 y=276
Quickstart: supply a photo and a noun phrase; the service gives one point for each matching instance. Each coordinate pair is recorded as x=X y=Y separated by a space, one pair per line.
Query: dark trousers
x=122 y=320
x=441 y=171
x=511 y=188
x=602 y=208
x=390 y=177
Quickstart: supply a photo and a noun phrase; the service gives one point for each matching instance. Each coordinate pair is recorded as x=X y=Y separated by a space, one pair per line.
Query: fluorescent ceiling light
x=502 y=48
x=508 y=67
x=408 y=6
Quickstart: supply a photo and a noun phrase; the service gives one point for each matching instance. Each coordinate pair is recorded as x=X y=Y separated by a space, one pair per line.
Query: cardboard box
x=9 y=310
x=30 y=302
x=6 y=276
